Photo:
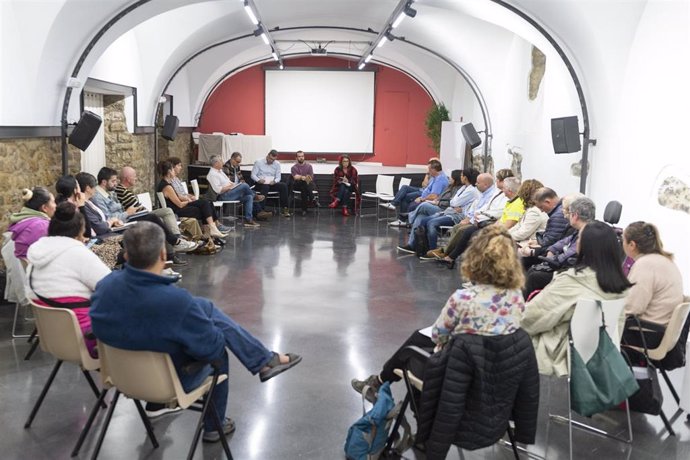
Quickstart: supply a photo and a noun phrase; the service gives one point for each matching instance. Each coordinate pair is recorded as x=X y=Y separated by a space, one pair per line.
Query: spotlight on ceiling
x=258 y=31
x=389 y=36
x=411 y=12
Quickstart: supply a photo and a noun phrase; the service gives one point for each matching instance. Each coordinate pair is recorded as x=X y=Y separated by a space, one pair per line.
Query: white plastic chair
x=195 y=188
x=584 y=327
x=145 y=200
x=161 y=200
x=384 y=192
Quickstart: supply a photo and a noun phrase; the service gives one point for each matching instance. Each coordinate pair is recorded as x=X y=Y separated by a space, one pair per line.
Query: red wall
x=401 y=104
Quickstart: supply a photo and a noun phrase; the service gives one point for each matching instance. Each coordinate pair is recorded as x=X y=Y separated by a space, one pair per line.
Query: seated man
x=138 y=309
x=557 y=226
x=303 y=177
x=266 y=176
x=408 y=198
x=228 y=190
x=128 y=178
x=231 y=168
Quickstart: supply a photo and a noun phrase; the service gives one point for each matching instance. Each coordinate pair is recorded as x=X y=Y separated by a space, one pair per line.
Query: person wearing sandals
x=138 y=309
x=491 y=304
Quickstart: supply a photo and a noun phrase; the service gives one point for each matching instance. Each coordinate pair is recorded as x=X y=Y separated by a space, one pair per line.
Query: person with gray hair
x=228 y=190
x=515 y=205
x=139 y=309
x=563 y=253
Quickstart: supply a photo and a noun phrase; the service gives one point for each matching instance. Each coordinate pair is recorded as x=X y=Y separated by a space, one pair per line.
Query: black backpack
x=421 y=243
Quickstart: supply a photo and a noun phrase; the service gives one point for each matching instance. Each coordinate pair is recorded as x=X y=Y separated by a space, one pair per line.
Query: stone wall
x=181 y=148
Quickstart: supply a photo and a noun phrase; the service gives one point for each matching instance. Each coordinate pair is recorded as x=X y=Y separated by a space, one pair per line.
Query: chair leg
x=670 y=385
x=570 y=423
x=147 y=423
x=219 y=428
x=398 y=421
x=33 y=335
x=14 y=324
x=512 y=442
x=93 y=385
x=33 y=348
x=108 y=416
x=200 y=423
x=34 y=411
x=667 y=424
x=89 y=422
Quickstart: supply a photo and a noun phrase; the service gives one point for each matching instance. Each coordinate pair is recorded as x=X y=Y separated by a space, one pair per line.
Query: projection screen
x=320 y=111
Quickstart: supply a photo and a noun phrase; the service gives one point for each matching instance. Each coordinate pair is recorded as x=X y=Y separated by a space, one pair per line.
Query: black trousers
x=536 y=280
x=463 y=242
x=306 y=190
x=416 y=339
x=279 y=187
x=633 y=337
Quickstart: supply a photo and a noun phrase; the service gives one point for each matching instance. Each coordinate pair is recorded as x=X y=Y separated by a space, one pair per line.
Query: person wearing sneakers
x=408 y=200
x=345 y=181
x=303 y=177
x=231 y=168
x=266 y=175
x=490 y=305
x=202 y=210
x=228 y=190
x=138 y=309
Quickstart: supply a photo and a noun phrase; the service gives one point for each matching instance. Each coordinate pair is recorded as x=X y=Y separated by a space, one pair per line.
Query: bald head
x=128 y=176
x=484 y=181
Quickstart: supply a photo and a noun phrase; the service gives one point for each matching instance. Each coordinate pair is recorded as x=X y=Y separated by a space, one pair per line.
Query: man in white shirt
x=266 y=176
x=228 y=190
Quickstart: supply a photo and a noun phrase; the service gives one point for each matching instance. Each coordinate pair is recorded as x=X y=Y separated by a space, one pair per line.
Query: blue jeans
x=343 y=194
x=418 y=222
x=405 y=196
x=432 y=227
x=249 y=351
x=244 y=194
x=424 y=209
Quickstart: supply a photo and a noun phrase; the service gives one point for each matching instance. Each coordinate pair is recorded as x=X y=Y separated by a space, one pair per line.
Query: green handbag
x=604 y=382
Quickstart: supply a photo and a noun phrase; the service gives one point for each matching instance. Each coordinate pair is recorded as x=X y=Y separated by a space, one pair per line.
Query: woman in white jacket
x=598 y=275
x=62 y=270
x=533 y=220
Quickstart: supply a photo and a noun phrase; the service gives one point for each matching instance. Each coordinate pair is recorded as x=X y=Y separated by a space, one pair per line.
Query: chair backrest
x=586 y=321
x=144 y=375
x=384 y=185
x=404 y=181
x=195 y=188
x=145 y=200
x=673 y=331
x=61 y=335
x=16 y=273
x=185 y=188
x=612 y=212
x=161 y=200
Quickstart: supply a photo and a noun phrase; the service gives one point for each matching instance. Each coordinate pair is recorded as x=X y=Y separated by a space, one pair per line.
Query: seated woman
x=202 y=210
x=62 y=271
x=657 y=283
x=345 y=181
x=534 y=219
x=597 y=276
x=68 y=189
x=491 y=305
x=31 y=223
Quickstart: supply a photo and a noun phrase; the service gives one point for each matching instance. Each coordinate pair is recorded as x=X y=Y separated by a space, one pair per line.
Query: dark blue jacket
x=137 y=310
x=556 y=228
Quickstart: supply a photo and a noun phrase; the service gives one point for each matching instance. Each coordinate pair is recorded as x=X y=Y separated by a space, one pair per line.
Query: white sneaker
x=171 y=273
x=185 y=246
x=389 y=206
x=397 y=223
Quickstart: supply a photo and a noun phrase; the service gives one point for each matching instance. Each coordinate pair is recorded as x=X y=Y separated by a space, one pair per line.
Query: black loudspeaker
x=565 y=134
x=170 y=127
x=470 y=135
x=86 y=130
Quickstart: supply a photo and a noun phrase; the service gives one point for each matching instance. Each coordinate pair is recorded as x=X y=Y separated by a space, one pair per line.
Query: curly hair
x=491 y=258
x=526 y=191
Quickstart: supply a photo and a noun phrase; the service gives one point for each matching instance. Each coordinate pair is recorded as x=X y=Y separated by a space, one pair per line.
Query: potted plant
x=437 y=114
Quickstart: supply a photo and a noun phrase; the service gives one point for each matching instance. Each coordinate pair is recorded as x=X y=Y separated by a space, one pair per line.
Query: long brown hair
x=646 y=238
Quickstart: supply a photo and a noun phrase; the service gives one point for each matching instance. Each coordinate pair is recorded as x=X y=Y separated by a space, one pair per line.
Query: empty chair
x=384 y=192
x=150 y=376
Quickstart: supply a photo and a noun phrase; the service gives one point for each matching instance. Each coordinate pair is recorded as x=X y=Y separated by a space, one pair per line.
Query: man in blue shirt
x=408 y=198
x=139 y=309
x=266 y=175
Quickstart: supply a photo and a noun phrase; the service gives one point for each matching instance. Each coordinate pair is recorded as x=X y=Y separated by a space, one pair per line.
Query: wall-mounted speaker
x=86 y=130
x=565 y=134
x=470 y=135
x=170 y=127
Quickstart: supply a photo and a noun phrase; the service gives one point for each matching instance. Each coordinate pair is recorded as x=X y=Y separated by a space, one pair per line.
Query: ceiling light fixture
x=401 y=10
x=250 y=13
x=264 y=37
x=383 y=40
x=398 y=20
x=262 y=31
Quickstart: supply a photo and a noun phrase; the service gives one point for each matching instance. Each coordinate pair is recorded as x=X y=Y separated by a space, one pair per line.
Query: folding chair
x=584 y=327
x=161 y=200
x=384 y=191
x=62 y=337
x=387 y=206
x=675 y=336
x=297 y=195
x=151 y=376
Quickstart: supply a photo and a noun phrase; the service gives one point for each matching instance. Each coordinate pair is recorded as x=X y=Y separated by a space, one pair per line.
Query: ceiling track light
x=264 y=37
x=250 y=13
x=398 y=20
x=368 y=58
x=258 y=31
x=409 y=11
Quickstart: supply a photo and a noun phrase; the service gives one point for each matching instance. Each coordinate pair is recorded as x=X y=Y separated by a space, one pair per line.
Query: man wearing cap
x=266 y=176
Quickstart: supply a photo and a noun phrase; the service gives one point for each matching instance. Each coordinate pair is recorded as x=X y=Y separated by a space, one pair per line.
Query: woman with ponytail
x=31 y=223
x=658 y=284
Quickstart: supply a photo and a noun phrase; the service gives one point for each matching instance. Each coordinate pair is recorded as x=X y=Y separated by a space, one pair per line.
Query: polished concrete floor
x=336 y=291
